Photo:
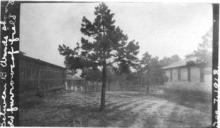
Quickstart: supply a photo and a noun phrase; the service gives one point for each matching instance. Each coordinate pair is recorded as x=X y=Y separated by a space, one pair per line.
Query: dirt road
x=160 y=113
x=123 y=109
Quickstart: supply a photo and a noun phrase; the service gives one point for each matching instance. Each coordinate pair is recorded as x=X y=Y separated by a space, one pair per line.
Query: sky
x=162 y=29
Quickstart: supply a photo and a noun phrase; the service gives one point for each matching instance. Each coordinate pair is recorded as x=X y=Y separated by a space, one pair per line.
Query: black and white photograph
x=116 y=64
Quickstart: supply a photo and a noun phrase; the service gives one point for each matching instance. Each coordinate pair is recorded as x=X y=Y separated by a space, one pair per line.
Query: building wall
x=175 y=74
x=184 y=75
x=35 y=74
x=207 y=75
x=192 y=74
x=195 y=74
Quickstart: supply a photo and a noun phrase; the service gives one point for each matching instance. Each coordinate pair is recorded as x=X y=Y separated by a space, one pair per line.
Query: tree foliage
x=169 y=60
x=92 y=74
x=203 y=54
x=103 y=44
x=151 y=70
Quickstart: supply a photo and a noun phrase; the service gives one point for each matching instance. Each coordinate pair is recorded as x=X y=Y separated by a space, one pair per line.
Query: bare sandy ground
x=122 y=110
x=160 y=113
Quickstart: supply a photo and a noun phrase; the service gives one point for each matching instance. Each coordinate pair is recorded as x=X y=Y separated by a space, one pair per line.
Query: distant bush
x=186 y=86
x=188 y=93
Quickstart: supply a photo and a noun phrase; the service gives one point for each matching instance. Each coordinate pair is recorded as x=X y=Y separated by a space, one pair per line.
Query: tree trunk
x=109 y=82
x=102 y=106
x=148 y=89
x=93 y=86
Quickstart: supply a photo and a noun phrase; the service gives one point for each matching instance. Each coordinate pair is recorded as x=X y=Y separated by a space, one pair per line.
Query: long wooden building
x=184 y=71
x=37 y=75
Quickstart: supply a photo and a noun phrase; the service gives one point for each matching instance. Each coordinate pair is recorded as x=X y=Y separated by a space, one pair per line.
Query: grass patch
x=183 y=95
x=54 y=110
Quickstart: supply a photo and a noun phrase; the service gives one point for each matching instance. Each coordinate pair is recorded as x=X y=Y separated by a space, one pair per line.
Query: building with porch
x=188 y=71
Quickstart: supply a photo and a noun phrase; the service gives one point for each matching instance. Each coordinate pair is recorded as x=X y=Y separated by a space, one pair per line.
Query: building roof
x=183 y=63
x=176 y=64
x=24 y=57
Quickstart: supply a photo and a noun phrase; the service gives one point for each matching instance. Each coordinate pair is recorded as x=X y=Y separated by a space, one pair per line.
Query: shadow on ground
x=48 y=111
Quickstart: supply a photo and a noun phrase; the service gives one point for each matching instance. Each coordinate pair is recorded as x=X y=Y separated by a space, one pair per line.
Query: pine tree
x=103 y=44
